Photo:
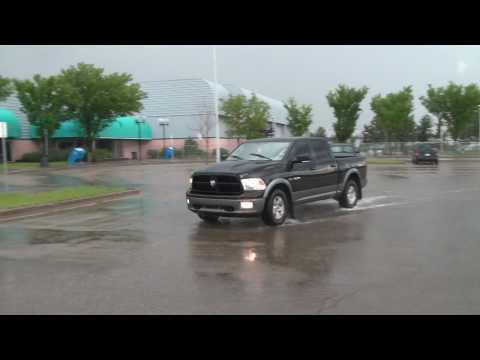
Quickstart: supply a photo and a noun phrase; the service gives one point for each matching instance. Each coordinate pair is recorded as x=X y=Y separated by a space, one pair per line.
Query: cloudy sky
x=305 y=72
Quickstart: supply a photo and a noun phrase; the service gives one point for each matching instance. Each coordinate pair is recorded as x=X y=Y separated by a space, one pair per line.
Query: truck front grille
x=222 y=185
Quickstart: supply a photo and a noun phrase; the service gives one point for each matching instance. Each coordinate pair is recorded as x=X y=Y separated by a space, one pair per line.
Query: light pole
x=139 y=122
x=215 y=99
x=163 y=123
x=3 y=138
x=478 y=141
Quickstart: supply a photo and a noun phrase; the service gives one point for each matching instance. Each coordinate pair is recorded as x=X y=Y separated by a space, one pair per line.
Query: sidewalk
x=441 y=158
x=108 y=164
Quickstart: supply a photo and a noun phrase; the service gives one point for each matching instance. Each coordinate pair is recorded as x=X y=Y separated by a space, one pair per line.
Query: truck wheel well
x=356 y=178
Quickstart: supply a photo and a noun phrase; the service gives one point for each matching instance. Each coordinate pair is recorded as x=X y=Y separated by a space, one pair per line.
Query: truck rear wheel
x=276 y=208
x=350 y=195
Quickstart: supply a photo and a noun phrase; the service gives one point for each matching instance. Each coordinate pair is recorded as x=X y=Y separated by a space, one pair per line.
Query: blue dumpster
x=76 y=155
x=168 y=153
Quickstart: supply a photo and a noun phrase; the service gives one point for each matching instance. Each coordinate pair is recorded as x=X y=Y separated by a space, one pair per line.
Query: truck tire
x=350 y=195
x=276 y=208
x=208 y=218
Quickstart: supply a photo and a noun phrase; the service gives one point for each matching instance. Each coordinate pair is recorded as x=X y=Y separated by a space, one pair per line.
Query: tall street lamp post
x=163 y=123
x=140 y=121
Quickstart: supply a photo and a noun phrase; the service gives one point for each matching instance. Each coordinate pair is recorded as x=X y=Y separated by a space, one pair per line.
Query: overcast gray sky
x=305 y=72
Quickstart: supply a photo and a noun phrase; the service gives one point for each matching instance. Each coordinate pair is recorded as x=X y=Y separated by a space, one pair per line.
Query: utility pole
x=140 y=121
x=478 y=125
x=3 y=136
x=215 y=99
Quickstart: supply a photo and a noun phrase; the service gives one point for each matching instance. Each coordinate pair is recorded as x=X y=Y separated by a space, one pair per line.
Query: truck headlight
x=253 y=184
x=190 y=181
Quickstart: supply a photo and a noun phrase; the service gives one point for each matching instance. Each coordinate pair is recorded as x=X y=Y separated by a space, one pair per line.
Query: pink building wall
x=129 y=146
x=20 y=147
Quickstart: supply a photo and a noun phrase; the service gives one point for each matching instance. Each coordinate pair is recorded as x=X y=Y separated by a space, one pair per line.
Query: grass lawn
x=380 y=161
x=32 y=165
x=23 y=199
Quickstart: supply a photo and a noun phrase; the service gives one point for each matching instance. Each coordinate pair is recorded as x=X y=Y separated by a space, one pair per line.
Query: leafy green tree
x=41 y=100
x=299 y=117
x=245 y=117
x=433 y=101
x=456 y=105
x=394 y=115
x=96 y=99
x=345 y=102
x=234 y=109
x=424 y=129
x=373 y=132
x=5 y=88
x=471 y=130
x=321 y=132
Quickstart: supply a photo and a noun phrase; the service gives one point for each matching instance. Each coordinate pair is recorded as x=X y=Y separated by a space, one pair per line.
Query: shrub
x=155 y=154
x=179 y=154
x=101 y=154
x=223 y=153
x=58 y=155
x=53 y=155
x=191 y=149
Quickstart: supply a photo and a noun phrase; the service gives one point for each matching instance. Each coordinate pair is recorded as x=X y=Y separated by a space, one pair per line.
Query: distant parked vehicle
x=424 y=153
x=343 y=150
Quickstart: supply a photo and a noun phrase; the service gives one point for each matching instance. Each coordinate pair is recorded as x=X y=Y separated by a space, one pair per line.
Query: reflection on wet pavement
x=410 y=246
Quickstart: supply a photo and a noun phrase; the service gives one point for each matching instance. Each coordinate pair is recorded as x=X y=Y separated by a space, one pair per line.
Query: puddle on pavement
x=13 y=237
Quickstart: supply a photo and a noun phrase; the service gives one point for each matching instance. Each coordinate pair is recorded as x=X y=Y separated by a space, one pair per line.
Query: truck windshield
x=260 y=151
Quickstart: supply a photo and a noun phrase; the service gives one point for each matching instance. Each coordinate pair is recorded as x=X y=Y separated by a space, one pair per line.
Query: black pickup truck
x=268 y=177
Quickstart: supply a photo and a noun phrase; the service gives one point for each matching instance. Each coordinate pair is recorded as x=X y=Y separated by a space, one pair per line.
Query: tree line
x=85 y=93
x=82 y=92
x=455 y=106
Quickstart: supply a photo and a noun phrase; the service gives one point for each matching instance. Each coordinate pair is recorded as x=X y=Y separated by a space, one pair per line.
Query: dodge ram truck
x=269 y=177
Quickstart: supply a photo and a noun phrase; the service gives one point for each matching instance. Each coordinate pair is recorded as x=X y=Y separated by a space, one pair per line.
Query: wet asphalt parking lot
x=410 y=247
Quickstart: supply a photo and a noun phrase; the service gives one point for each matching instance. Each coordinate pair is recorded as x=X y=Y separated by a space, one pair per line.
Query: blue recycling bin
x=76 y=155
x=168 y=153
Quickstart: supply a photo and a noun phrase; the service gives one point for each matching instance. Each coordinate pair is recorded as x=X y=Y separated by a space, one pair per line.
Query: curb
x=40 y=210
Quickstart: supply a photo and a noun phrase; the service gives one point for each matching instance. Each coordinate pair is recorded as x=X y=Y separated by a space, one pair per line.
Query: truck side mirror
x=299 y=159
x=302 y=159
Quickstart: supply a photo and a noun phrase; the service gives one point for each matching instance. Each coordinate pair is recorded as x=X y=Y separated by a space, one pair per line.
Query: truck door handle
x=333 y=166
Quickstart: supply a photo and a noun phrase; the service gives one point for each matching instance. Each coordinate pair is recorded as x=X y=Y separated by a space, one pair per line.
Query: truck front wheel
x=276 y=208
x=350 y=195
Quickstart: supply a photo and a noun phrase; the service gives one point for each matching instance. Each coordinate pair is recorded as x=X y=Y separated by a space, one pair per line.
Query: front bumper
x=224 y=206
x=426 y=158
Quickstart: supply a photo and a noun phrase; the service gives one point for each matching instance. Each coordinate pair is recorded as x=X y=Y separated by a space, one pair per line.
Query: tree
x=5 y=88
x=433 y=102
x=394 y=115
x=299 y=117
x=373 y=132
x=456 y=105
x=424 y=129
x=42 y=102
x=345 y=102
x=245 y=117
x=321 y=132
x=205 y=125
x=96 y=99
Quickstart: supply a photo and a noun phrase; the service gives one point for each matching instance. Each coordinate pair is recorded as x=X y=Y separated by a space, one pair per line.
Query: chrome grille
x=222 y=185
